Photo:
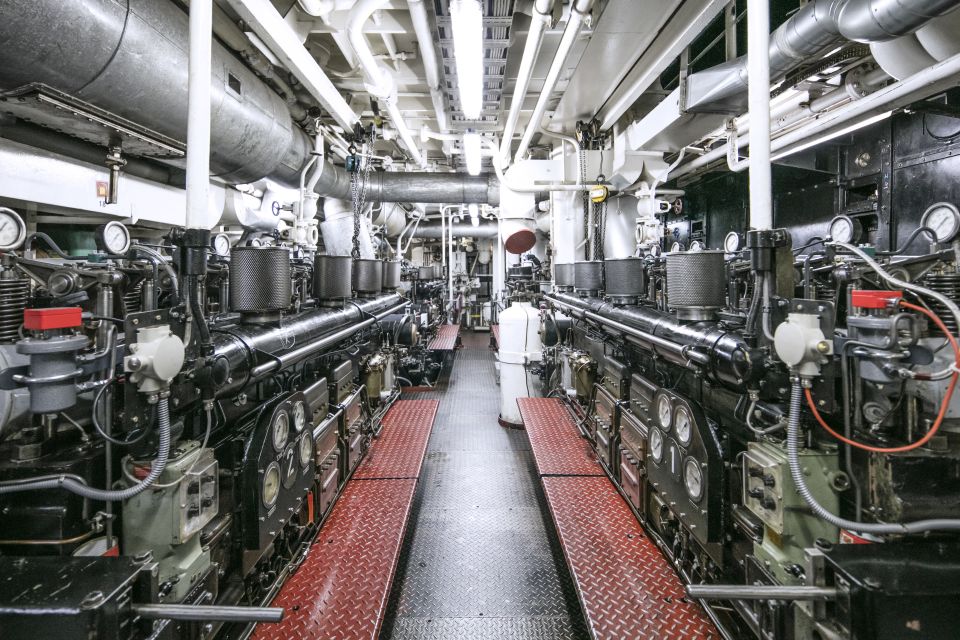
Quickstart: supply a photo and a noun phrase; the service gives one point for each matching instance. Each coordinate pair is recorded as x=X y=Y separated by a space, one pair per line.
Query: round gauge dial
x=299 y=415
x=114 y=237
x=844 y=229
x=13 y=231
x=676 y=247
x=655 y=250
x=221 y=245
x=280 y=430
x=656 y=446
x=731 y=243
x=683 y=425
x=664 y=410
x=306 y=450
x=944 y=219
x=270 y=487
x=696 y=245
x=693 y=479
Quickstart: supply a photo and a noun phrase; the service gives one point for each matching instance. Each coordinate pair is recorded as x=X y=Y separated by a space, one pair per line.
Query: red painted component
x=446 y=340
x=54 y=318
x=627 y=588
x=398 y=453
x=865 y=299
x=558 y=449
x=495 y=329
x=341 y=589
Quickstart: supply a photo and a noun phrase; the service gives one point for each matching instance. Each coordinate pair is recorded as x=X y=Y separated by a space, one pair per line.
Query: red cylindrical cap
x=866 y=299
x=53 y=318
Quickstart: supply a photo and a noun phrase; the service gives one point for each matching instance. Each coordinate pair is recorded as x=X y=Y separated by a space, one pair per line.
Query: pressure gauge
x=13 y=231
x=306 y=450
x=693 y=479
x=731 y=242
x=299 y=415
x=655 y=250
x=656 y=446
x=664 y=410
x=113 y=237
x=944 y=219
x=683 y=425
x=270 y=486
x=221 y=245
x=845 y=229
x=280 y=430
x=696 y=245
x=676 y=247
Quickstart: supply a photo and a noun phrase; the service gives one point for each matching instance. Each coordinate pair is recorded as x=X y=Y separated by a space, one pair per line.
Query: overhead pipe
x=761 y=176
x=199 y=69
x=436 y=231
x=380 y=81
x=578 y=12
x=421 y=27
x=539 y=20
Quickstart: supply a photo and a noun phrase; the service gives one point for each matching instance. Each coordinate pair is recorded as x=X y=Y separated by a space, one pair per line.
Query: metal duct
x=434 y=231
x=430 y=188
x=818 y=25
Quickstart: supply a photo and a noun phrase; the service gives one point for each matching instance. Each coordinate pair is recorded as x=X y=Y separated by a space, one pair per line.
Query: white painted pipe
x=539 y=20
x=198 y=115
x=758 y=100
x=380 y=81
x=578 y=12
x=421 y=27
x=284 y=42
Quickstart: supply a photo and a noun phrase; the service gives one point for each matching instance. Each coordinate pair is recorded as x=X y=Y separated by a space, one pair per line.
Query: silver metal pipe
x=759 y=592
x=435 y=231
x=201 y=613
x=431 y=188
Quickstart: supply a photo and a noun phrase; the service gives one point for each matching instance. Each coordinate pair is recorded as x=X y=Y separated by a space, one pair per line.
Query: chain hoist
x=359 y=164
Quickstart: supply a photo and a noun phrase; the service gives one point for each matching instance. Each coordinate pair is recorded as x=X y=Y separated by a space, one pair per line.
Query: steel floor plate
x=481 y=559
x=340 y=591
x=558 y=448
x=398 y=452
x=626 y=586
x=446 y=339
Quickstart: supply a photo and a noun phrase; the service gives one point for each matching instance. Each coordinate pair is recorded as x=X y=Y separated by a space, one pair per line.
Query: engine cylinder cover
x=367 y=276
x=588 y=277
x=563 y=274
x=260 y=279
x=332 y=277
x=391 y=274
x=696 y=283
x=623 y=278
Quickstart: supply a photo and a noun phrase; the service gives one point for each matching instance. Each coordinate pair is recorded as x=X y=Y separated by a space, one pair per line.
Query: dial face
x=944 y=219
x=280 y=430
x=693 y=479
x=306 y=450
x=221 y=245
x=675 y=247
x=655 y=250
x=696 y=245
x=299 y=415
x=656 y=446
x=683 y=425
x=731 y=243
x=664 y=411
x=844 y=229
x=12 y=229
x=115 y=237
x=270 y=488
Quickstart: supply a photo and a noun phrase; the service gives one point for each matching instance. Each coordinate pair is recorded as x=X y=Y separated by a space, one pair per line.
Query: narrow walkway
x=481 y=558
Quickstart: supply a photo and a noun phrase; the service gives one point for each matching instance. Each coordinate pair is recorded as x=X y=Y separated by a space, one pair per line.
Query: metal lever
x=188 y=612
x=758 y=592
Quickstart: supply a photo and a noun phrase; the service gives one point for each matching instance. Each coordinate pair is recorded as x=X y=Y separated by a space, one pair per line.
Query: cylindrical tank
x=696 y=283
x=519 y=345
x=437 y=271
x=332 y=278
x=260 y=280
x=588 y=277
x=563 y=275
x=391 y=274
x=367 y=276
x=623 y=279
x=425 y=273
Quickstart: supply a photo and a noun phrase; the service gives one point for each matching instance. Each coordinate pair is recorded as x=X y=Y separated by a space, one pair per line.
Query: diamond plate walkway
x=448 y=335
x=626 y=587
x=341 y=589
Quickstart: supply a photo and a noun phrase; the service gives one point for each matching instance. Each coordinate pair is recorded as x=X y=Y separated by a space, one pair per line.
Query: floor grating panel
x=557 y=446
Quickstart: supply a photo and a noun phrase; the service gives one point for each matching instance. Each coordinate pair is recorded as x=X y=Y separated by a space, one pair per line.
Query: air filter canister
x=563 y=275
x=438 y=271
x=391 y=274
x=588 y=277
x=623 y=279
x=696 y=283
x=425 y=273
x=367 y=276
x=332 y=277
x=260 y=279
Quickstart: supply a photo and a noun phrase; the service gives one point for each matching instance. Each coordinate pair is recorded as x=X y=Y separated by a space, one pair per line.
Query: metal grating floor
x=481 y=558
x=447 y=337
x=557 y=447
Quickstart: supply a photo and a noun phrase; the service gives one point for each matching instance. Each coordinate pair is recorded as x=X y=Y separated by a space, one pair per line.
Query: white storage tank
x=519 y=346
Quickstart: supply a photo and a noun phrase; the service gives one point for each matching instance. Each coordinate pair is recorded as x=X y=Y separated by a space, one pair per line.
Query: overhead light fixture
x=467 y=19
x=472 y=153
x=474 y=210
x=830 y=136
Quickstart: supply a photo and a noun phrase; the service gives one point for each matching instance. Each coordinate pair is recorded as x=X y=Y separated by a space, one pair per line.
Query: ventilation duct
x=434 y=231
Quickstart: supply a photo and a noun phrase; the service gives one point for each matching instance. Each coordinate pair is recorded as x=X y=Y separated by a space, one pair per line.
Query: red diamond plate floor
x=398 y=452
x=341 y=589
x=558 y=449
x=446 y=339
x=495 y=332
x=627 y=588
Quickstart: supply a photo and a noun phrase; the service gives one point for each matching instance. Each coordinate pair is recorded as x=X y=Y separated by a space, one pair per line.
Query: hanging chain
x=358 y=193
x=584 y=194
